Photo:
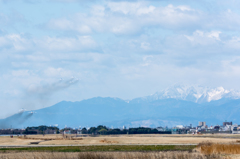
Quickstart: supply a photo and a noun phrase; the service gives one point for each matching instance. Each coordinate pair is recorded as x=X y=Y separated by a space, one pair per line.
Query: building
x=11 y=131
x=180 y=126
x=67 y=132
x=227 y=123
x=160 y=128
x=202 y=123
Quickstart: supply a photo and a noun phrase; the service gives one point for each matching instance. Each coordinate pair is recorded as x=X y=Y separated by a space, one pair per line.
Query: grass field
x=109 y=148
x=216 y=148
x=123 y=147
x=110 y=155
x=118 y=139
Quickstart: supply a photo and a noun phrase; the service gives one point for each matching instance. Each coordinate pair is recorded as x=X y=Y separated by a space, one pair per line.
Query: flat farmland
x=117 y=139
x=121 y=146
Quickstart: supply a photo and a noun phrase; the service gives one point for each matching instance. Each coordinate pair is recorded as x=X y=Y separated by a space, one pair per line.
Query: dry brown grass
x=219 y=148
x=47 y=138
x=111 y=155
x=142 y=139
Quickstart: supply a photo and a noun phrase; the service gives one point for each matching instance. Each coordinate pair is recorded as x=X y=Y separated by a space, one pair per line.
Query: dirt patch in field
x=108 y=142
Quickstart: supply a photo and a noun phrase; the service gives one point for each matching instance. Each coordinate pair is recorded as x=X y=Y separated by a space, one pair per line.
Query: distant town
x=202 y=128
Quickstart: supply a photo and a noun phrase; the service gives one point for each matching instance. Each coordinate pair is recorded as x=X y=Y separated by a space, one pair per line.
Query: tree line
x=99 y=130
x=103 y=130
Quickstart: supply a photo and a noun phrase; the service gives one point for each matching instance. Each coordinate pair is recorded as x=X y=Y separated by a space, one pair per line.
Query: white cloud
x=214 y=34
x=137 y=8
x=19 y=43
x=204 y=38
x=132 y=17
x=67 y=44
x=64 y=24
x=14 y=42
x=123 y=17
x=58 y=72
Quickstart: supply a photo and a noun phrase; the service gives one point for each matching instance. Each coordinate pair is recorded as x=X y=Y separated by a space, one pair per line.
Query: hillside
x=116 y=112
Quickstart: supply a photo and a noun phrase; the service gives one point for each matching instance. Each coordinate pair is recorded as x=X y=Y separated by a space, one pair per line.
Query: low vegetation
x=40 y=129
x=112 y=155
x=218 y=148
x=204 y=150
x=109 y=148
x=103 y=130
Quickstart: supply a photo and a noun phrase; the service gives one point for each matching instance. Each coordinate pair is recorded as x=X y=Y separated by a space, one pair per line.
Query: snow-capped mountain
x=193 y=93
x=179 y=104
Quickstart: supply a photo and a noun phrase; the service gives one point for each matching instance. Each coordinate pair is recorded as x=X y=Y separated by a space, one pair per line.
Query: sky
x=55 y=50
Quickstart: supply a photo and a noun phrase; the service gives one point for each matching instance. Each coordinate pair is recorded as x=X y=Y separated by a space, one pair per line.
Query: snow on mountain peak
x=216 y=94
x=194 y=93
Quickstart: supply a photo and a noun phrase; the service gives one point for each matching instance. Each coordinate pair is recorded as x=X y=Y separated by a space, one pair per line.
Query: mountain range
x=176 y=105
x=193 y=93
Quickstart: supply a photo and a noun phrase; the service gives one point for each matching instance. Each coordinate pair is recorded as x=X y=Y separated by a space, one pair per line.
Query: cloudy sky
x=54 y=50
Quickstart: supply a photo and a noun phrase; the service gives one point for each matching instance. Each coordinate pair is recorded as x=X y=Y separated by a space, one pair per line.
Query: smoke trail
x=10 y=121
x=28 y=116
x=38 y=96
x=49 y=89
x=24 y=118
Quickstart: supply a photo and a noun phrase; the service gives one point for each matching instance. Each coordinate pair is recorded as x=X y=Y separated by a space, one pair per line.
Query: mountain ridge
x=194 y=93
x=151 y=111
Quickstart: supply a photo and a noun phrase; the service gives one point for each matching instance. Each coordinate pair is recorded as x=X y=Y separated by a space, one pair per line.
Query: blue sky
x=54 y=50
